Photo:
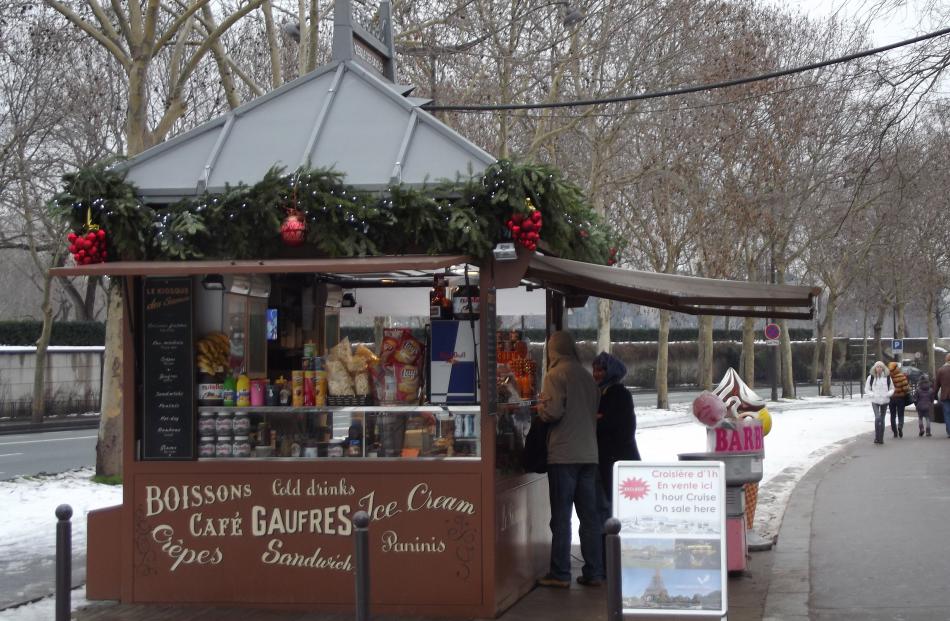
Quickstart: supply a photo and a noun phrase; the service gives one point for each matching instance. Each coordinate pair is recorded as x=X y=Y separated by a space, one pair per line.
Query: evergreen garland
x=466 y=216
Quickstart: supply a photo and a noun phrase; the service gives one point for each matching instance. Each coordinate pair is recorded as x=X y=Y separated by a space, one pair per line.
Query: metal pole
x=361 y=521
x=64 y=561
x=614 y=580
x=775 y=369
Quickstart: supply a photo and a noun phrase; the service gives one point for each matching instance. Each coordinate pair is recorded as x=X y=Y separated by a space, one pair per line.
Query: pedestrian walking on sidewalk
x=924 y=404
x=898 y=399
x=942 y=388
x=880 y=387
x=569 y=399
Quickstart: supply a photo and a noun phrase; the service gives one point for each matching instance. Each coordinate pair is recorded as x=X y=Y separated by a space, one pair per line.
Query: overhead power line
x=688 y=89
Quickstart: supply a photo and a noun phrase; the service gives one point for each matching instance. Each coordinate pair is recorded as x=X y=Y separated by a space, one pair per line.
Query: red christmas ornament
x=88 y=247
x=526 y=228
x=293 y=231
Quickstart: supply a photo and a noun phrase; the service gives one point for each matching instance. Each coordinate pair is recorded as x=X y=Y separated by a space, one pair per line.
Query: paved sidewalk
x=861 y=536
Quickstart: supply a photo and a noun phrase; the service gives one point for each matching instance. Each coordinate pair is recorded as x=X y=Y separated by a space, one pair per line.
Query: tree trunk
x=706 y=363
x=748 y=351
x=878 y=332
x=662 y=362
x=109 y=446
x=938 y=316
x=136 y=125
x=603 y=325
x=931 y=334
x=829 y=346
x=788 y=373
x=902 y=321
x=38 y=407
x=816 y=353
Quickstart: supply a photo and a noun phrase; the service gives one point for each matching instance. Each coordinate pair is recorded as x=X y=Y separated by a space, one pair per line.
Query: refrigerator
x=453 y=363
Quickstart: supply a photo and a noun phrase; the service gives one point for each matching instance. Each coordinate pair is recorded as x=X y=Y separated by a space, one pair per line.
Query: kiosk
x=263 y=517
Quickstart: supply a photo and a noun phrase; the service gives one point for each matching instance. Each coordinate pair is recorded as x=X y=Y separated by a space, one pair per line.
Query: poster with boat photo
x=672 y=538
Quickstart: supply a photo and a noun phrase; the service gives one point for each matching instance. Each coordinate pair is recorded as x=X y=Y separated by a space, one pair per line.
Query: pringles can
x=296 y=387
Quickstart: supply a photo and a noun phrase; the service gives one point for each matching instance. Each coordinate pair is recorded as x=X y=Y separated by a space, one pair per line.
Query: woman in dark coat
x=616 y=421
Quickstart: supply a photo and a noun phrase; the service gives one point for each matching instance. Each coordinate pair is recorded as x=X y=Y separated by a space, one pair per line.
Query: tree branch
x=117 y=52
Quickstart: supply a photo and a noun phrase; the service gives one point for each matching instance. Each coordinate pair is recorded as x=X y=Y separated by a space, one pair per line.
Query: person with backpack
x=924 y=403
x=942 y=388
x=899 y=398
x=881 y=388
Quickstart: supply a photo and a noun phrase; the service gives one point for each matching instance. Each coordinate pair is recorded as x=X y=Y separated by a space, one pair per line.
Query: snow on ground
x=803 y=432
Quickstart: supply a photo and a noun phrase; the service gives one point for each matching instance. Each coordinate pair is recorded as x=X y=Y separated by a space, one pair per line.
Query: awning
x=377 y=266
x=681 y=294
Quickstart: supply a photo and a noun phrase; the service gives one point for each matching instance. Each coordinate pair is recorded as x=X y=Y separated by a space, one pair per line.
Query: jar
x=241 y=447
x=224 y=446
x=206 y=446
x=241 y=426
x=466 y=301
x=206 y=424
x=209 y=389
x=224 y=424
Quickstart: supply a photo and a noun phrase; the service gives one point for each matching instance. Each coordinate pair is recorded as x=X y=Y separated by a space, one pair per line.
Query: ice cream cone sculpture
x=751 y=491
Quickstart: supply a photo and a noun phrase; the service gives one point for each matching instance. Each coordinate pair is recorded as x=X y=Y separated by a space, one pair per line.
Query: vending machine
x=453 y=362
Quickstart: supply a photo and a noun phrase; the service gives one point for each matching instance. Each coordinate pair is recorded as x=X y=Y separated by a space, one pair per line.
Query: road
x=52 y=451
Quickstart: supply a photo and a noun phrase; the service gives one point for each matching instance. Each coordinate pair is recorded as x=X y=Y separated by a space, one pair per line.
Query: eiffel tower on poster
x=656 y=590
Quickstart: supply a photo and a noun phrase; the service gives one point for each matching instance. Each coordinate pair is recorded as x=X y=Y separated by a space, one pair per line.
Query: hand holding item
x=709 y=409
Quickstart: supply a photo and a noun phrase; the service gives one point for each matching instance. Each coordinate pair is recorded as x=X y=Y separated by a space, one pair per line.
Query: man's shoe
x=591 y=582
x=551 y=581
x=920 y=433
x=900 y=432
x=928 y=434
x=879 y=442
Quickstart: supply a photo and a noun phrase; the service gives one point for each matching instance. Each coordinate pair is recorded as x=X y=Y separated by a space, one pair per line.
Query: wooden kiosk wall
x=204 y=532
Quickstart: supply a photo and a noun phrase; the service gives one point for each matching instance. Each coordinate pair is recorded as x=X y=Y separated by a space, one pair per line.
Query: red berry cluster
x=526 y=228
x=612 y=258
x=88 y=248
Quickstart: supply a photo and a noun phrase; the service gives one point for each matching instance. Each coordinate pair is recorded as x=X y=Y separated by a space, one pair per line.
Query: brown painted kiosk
x=457 y=529
x=460 y=535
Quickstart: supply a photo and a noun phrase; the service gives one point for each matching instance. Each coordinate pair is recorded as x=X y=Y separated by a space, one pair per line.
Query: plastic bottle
x=243 y=387
x=229 y=391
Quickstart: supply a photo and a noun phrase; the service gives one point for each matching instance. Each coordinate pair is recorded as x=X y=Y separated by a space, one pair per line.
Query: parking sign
x=897 y=346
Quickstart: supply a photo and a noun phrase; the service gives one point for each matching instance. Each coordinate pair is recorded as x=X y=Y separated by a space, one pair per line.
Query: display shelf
x=285 y=409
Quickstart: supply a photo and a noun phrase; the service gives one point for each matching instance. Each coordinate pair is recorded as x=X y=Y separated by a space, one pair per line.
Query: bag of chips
x=407 y=382
x=361 y=384
x=339 y=382
x=409 y=350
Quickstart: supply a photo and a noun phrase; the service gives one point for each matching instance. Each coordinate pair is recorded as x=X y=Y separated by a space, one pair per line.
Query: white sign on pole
x=672 y=537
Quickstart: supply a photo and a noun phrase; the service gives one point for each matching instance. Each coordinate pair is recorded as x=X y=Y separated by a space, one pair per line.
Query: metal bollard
x=614 y=578
x=361 y=521
x=64 y=561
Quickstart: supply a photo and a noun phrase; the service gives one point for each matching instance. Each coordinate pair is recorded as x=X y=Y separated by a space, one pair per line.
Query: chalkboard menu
x=168 y=409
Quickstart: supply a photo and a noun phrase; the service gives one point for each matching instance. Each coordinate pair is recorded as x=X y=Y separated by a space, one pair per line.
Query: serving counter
x=253 y=504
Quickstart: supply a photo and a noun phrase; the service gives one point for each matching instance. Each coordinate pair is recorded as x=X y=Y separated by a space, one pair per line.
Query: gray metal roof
x=341 y=116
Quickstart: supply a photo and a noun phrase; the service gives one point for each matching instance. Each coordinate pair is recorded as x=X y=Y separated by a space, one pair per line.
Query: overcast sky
x=888 y=26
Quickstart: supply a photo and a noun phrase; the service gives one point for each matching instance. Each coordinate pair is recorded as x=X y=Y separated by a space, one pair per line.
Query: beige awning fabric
x=364 y=266
x=682 y=294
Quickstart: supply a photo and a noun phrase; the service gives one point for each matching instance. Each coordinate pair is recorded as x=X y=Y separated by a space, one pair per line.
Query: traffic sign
x=772 y=333
x=897 y=345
